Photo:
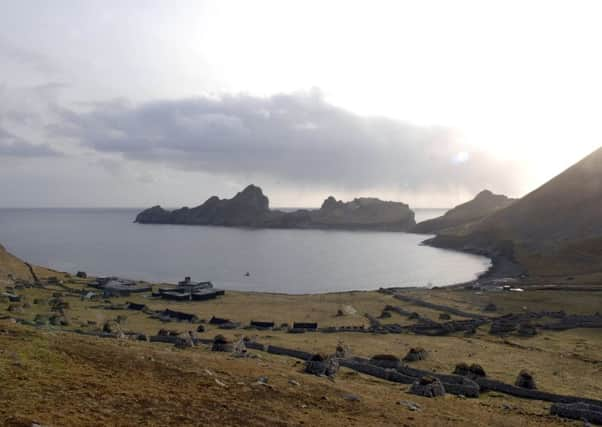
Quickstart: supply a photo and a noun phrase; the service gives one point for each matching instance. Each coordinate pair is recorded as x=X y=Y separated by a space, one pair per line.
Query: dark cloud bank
x=297 y=139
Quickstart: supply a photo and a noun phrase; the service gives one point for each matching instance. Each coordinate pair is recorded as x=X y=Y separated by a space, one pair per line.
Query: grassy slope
x=10 y=264
x=65 y=379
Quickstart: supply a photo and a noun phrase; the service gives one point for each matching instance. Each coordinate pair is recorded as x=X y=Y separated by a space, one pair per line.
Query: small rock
x=263 y=380
x=412 y=406
x=351 y=397
x=293 y=382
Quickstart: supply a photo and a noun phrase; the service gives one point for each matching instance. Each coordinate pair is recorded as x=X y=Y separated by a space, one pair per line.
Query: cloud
x=27 y=57
x=297 y=139
x=13 y=146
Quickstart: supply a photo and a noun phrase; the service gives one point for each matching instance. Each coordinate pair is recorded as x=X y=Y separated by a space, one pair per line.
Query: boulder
x=428 y=386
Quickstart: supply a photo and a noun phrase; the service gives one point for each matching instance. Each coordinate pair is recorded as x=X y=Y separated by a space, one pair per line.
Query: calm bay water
x=107 y=242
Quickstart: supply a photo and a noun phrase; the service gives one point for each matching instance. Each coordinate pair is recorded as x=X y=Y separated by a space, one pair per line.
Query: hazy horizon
x=135 y=104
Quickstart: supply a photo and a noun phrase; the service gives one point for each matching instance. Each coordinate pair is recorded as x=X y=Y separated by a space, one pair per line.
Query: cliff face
x=484 y=204
x=556 y=229
x=250 y=208
x=364 y=213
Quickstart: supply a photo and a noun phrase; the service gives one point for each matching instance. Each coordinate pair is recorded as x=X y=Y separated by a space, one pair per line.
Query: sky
x=131 y=103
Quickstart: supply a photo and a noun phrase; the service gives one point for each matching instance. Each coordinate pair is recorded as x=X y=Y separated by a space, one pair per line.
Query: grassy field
x=60 y=378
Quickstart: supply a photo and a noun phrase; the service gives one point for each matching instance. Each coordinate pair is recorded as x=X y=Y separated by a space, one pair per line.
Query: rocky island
x=250 y=208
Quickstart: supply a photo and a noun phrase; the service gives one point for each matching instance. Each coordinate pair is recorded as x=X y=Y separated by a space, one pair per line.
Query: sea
x=108 y=242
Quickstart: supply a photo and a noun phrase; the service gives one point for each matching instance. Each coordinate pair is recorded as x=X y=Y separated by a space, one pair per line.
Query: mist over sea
x=107 y=242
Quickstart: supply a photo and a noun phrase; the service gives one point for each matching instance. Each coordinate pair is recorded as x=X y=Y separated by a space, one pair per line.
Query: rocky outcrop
x=484 y=204
x=250 y=208
x=363 y=213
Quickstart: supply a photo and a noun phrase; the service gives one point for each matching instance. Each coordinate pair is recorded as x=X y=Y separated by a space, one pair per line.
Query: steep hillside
x=556 y=229
x=10 y=265
x=485 y=203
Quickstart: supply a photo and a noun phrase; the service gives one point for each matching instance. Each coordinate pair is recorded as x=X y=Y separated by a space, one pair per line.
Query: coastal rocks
x=525 y=380
x=321 y=365
x=415 y=354
x=428 y=386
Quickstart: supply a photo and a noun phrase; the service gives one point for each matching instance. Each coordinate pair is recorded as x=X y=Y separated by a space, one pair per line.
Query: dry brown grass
x=61 y=379
x=65 y=379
